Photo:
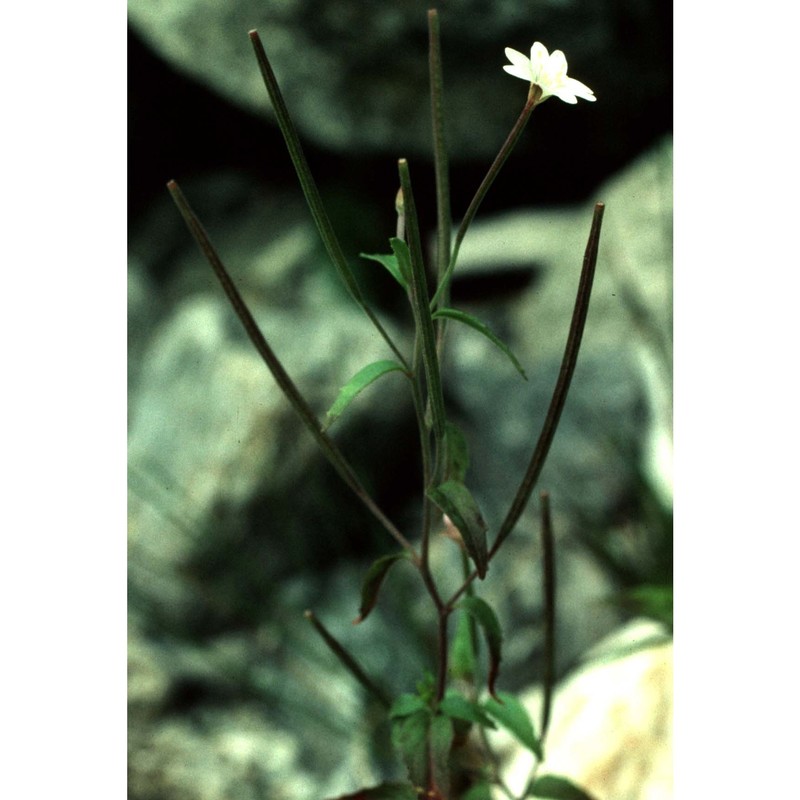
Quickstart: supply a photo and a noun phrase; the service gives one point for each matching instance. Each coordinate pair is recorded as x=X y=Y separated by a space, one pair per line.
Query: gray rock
x=236 y=524
x=231 y=505
x=618 y=419
x=355 y=73
x=211 y=437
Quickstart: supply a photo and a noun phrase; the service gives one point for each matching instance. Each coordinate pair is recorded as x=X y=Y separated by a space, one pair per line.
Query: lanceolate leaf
x=440 y=740
x=363 y=378
x=462 y=652
x=390 y=262
x=372 y=583
x=407 y=704
x=514 y=717
x=456 y=453
x=402 y=256
x=456 y=706
x=482 y=612
x=474 y=322
x=455 y=500
x=424 y=742
x=557 y=787
x=410 y=738
x=386 y=791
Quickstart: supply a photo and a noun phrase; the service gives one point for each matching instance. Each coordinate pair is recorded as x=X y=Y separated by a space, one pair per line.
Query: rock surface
x=611 y=730
x=621 y=397
x=355 y=72
x=236 y=523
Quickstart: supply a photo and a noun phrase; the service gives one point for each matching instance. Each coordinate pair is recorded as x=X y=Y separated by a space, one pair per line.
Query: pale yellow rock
x=611 y=722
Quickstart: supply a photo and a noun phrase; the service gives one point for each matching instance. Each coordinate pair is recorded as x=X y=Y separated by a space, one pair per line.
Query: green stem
x=282 y=378
x=425 y=447
x=559 y=397
x=348 y=661
x=424 y=564
x=422 y=314
x=494 y=170
x=441 y=678
x=311 y=192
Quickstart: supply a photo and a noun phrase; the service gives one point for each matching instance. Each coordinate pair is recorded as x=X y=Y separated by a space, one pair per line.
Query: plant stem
x=441 y=678
x=348 y=661
x=566 y=372
x=444 y=220
x=559 y=397
x=549 y=590
x=425 y=448
x=494 y=171
x=285 y=383
x=422 y=315
x=311 y=192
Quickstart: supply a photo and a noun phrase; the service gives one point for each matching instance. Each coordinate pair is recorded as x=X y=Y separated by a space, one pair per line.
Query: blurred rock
x=355 y=73
x=611 y=722
x=615 y=434
x=237 y=523
x=232 y=508
x=213 y=441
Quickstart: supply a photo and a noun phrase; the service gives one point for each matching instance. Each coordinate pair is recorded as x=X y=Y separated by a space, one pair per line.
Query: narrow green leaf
x=474 y=322
x=456 y=453
x=483 y=614
x=403 y=256
x=363 y=378
x=440 y=741
x=514 y=717
x=386 y=791
x=649 y=600
x=480 y=791
x=457 y=706
x=407 y=704
x=410 y=739
x=426 y=688
x=462 y=652
x=455 y=500
x=372 y=583
x=391 y=263
x=556 y=787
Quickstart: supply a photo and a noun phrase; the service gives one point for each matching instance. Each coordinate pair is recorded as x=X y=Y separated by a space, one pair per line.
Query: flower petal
x=516 y=58
x=539 y=58
x=520 y=66
x=579 y=89
x=539 y=53
x=557 y=65
x=519 y=72
x=548 y=71
x=565 y=94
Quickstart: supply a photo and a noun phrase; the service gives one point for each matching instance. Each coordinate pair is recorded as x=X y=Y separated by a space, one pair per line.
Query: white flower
x=548 y=72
